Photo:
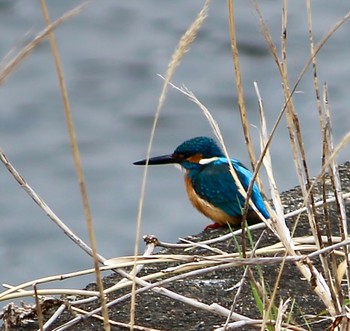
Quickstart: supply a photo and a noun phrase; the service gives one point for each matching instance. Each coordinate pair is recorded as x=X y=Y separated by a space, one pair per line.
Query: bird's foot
x=212 y=226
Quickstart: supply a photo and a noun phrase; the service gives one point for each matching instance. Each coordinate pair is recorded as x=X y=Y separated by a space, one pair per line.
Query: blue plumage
x=209 y=183
x=215 y=184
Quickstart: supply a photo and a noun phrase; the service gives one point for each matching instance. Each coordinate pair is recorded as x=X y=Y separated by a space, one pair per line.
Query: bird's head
x=191 y=154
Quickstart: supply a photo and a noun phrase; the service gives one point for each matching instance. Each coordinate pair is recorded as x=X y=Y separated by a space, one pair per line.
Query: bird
x=209 y=183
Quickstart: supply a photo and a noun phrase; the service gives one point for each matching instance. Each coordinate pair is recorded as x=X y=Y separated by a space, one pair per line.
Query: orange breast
x=215 y=214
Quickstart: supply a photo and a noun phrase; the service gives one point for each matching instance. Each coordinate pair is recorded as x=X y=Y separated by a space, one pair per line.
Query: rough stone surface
x=159 y=312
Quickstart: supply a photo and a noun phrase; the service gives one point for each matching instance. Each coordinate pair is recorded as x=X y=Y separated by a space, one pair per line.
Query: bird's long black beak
x=163 y=159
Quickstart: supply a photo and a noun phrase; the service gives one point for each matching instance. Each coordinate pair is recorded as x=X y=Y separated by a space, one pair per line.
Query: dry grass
x=326 y=281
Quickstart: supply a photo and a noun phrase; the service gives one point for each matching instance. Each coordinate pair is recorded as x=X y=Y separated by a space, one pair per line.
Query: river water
x=111 y=54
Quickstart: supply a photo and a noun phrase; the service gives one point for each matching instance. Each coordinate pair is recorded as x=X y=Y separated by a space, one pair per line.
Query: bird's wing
x=215 y=184
x=245 y=176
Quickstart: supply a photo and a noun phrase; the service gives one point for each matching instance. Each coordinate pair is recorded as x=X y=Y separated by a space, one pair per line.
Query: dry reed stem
x=38 y=308
x=334 y=177
x=245 y=126
x=338 y=273
x=293 y=123
x=334 y=167
x=293 y=119
x=278 y=221
x=314 y=63
x=182 y=48
x=239 y=85
x=264 y=145
x=77 y=163
x=334 y=285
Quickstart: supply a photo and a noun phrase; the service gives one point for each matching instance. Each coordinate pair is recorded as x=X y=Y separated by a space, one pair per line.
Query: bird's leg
x=213 y=226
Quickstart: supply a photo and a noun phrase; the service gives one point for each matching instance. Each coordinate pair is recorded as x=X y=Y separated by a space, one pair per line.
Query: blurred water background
x=111 y=55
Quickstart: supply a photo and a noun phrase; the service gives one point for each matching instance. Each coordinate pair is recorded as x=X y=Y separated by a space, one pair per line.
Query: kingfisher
x=209 y=183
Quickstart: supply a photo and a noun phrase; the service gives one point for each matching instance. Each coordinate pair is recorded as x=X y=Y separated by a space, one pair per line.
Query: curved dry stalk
x=53 y=291
x=201 y=245
x=11 y=65
x=55 y=316
x=137 y=267
x=42 y=204
x=12 y=289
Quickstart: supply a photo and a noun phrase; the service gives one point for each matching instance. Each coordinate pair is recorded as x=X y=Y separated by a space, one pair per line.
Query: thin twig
x=42 y=204
x=38 y=308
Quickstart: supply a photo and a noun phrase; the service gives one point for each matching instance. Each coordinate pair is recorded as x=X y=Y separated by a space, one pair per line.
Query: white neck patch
x=207 y=161
x=178 y=166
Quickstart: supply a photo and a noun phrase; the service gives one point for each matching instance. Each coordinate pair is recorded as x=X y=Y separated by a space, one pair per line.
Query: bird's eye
x=180 y=155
